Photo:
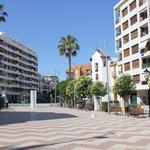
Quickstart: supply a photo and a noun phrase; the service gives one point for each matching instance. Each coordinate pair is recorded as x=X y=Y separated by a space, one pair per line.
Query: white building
x=99 y=73
x=18 y=69
x=132 y=40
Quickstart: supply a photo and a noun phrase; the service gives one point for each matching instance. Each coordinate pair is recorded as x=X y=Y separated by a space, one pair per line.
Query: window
x=118 y=31
x=126 y=39
x=120 y=70
x=96 y=67
x=127 y=66
x=144 y=30
x=97 y=77
x=126 y=52
x=143 y=15
x=125 y=25
x=120 y=56
x=134 y=34
x=135 y=64
x=133 y=20
x=141 y=2
x=104 y=63
x=133 y=5
x=136 y=78
x=117 y=14
x=125 y=12
x=135 y=49
x=118 y=44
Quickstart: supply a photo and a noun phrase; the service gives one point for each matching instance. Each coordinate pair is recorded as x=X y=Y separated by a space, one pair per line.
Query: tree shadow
x=21 y=117
x=57 y=143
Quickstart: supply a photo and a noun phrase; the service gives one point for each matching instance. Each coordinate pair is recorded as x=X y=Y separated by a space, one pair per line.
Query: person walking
x=6 y=102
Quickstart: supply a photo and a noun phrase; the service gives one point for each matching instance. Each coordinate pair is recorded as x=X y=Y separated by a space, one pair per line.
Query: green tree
x=98 y=89
x=68 y=46
x=3 y=14
x=83 y=87
x=123 y=86
x=61 y=89
x=70 y=89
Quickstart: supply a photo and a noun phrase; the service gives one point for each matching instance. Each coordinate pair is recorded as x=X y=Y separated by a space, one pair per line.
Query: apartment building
x=80 y=70
x=47 y=83
x=132 y=42
x=18 y=69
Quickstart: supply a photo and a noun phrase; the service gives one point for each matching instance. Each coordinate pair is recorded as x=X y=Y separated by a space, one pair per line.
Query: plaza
x=54 y=128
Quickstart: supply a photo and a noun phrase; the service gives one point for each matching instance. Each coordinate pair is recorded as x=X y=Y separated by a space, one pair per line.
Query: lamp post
x=74 y=94
x=146 y=76
x=107 y=73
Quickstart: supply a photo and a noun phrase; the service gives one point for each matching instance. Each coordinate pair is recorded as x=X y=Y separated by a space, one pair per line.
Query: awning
x=147 y=47
x=143 y=45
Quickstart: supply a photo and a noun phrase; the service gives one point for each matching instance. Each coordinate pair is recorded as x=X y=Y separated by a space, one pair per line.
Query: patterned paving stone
x=51 y=128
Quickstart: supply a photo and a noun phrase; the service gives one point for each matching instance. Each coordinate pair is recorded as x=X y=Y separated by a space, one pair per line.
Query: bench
x=116 y=109
x=137 y=112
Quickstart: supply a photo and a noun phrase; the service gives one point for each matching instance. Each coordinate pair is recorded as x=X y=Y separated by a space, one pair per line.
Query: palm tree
x=3 y=14
x=68 y=46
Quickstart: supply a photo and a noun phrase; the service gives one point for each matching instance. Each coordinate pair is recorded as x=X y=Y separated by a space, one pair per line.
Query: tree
x=3 y=14
x=61 y=88
x=123 y=86
x=70 y=89
x=98 y=89
x=83 y=87
x=68 y=46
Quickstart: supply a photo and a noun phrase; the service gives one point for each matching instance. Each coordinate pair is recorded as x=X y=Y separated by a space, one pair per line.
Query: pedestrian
x=6 y=102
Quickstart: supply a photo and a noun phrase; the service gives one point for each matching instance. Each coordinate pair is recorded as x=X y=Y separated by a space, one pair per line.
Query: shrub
x=2 y=102
x=132 y=106
x=89 y=106
x=105 y=106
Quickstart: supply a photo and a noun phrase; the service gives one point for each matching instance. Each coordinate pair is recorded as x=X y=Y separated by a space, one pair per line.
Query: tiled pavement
x=51 y=128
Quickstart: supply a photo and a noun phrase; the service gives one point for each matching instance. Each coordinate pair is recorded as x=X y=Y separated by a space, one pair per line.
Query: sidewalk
x=54 y=128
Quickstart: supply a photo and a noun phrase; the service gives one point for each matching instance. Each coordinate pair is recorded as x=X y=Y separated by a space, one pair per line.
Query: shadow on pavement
x=44 y=145
x=21 y=117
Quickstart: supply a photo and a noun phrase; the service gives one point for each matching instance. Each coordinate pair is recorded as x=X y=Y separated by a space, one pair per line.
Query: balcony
x=96 y=69
x=141 y=2
x=147 y=65
x=143 y=15
x=145 y=52
x=144 y=30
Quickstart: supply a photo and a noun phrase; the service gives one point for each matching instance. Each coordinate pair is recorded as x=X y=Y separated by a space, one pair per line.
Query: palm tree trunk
x=70 y=66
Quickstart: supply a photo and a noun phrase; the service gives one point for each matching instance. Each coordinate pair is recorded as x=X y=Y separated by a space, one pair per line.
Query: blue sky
x=41 y=23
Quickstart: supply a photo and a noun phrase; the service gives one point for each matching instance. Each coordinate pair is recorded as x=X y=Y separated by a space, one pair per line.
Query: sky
x=40 y=24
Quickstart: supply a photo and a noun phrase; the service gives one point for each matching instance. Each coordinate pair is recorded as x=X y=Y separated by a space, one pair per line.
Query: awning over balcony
x=147 y=47
x=143 y=45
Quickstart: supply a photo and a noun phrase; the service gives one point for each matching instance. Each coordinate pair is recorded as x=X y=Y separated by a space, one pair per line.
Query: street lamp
x=146 y=76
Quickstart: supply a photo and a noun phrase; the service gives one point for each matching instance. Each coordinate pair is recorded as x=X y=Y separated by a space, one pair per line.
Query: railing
x=147 y=65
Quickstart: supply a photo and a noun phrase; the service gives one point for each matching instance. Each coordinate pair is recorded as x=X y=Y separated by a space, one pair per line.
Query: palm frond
x=2 y=19
x=74 y=53
x=67 y=54
x=5 y=14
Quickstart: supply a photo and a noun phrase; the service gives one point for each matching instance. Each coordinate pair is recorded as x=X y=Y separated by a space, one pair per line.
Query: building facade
x=18 y=69
x=99 y=73
x=80 y=70
x=47 y=83
x=132 y=41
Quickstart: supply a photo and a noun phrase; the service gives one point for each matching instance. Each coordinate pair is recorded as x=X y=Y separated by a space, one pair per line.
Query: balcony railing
x=147 y=65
